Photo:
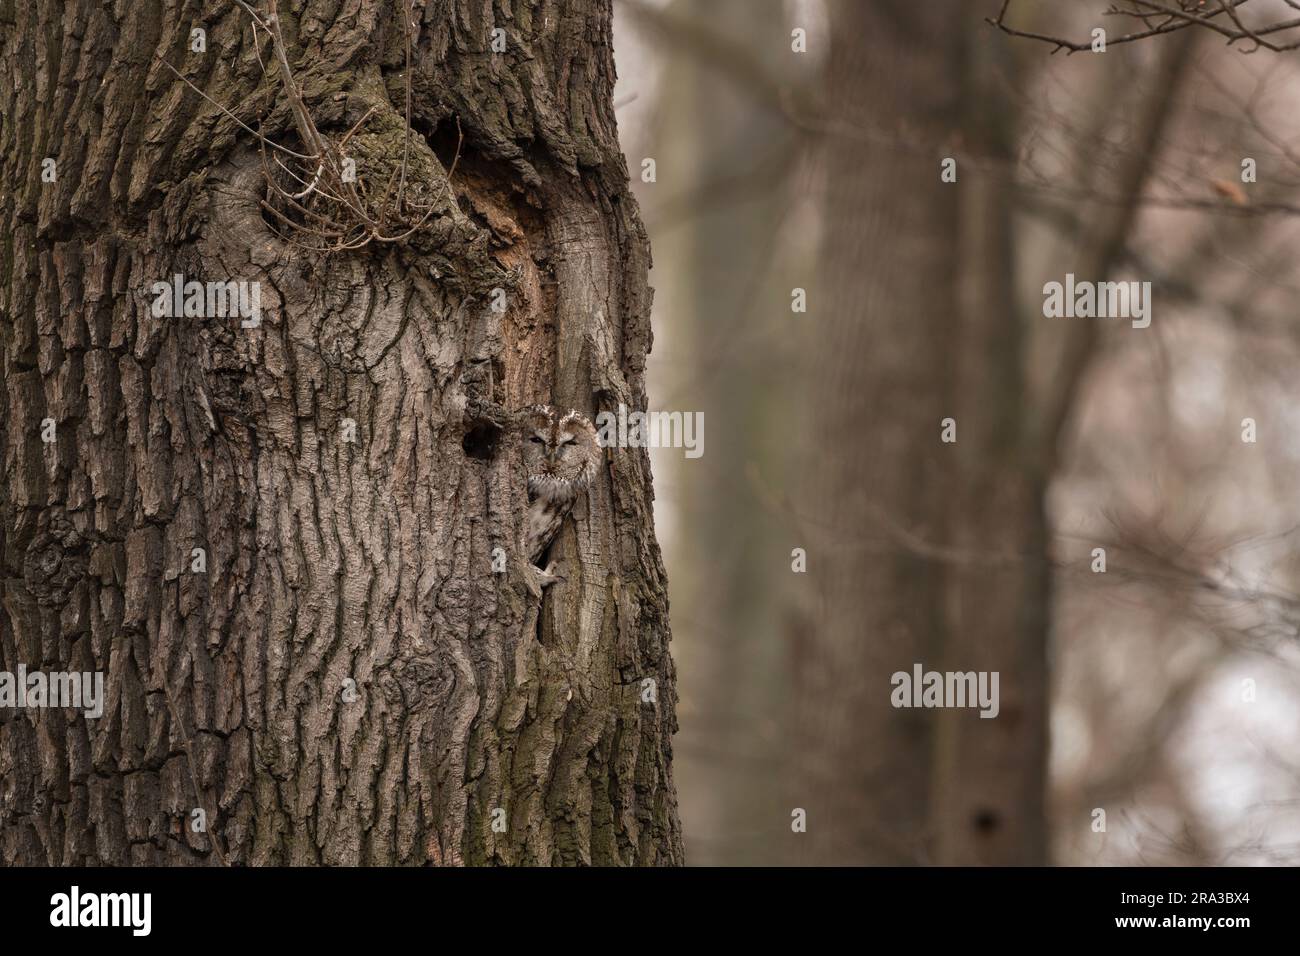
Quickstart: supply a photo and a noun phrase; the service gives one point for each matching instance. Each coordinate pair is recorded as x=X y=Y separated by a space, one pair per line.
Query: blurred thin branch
x=1160 y=18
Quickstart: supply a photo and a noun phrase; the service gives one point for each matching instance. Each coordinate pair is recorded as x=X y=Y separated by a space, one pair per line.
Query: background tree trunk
x=938 y=553
x=731 y=246
x=328 y=560
x=914 y=534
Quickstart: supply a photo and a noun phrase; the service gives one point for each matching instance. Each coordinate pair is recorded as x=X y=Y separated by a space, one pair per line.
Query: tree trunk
x=348 y=681
x=912 y=562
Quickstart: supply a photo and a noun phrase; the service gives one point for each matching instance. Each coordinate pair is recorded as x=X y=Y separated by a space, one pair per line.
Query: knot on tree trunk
x=55 y=560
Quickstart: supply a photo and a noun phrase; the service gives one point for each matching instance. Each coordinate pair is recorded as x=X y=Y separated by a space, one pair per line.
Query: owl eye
x=535 y=439
x=570 y=441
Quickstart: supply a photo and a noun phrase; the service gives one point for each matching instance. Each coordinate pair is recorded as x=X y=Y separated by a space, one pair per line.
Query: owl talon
x=536 y=578
x=547 y=577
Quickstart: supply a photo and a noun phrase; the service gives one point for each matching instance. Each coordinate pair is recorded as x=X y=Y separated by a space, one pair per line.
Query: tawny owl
x=561 y=455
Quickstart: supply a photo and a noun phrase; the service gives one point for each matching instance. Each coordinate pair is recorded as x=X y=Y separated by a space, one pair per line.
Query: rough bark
x=327 y=560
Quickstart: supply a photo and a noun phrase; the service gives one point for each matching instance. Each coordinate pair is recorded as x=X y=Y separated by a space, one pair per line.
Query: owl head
x=561 y=452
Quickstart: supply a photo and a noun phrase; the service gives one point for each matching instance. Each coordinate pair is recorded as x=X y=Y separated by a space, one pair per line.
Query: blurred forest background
x=1165 y=691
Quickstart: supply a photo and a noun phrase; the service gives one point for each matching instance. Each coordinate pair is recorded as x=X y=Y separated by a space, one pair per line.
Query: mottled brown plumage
x=561 y=454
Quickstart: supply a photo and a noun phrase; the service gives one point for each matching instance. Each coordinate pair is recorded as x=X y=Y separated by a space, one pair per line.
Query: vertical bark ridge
x=327 y=560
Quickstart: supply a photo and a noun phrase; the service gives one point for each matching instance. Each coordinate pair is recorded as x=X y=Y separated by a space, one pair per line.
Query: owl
x=561 y=454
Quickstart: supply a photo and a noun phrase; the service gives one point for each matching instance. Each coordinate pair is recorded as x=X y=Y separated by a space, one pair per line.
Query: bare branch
x=1172 y=18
